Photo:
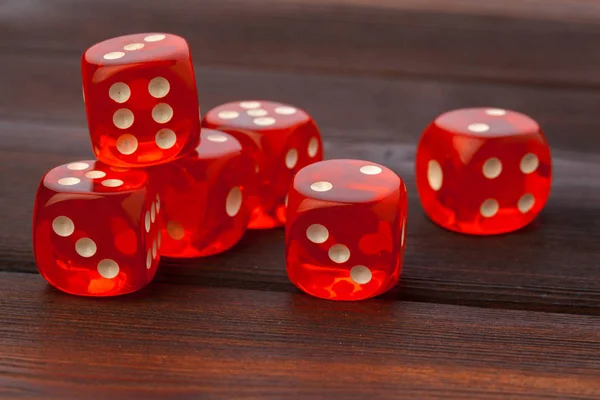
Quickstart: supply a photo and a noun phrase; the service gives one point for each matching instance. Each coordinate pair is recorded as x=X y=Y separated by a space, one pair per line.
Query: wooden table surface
x=513 y=316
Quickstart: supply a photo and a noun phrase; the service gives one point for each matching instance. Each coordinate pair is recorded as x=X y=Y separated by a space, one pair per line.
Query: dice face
x=96 y=229
x=483 y=171
x=141 y=99
x=346 y=229
x=205 y=197
x=281 y=139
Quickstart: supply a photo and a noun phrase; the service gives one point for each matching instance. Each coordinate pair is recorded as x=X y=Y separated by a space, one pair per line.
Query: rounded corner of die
x=84 y=60
x=91 y=60
x=178 y=38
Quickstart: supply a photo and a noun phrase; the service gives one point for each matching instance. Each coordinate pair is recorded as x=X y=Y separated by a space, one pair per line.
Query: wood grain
x=222 y=343
x=47 y=91
x=551 y=266
x=553 y=42
x=527 y=269
x=512 y=316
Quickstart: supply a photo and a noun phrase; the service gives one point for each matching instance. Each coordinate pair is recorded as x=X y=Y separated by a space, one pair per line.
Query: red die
x=204 y=198
x=141 y=99
x=96 y=230
x=346 y=229
x=281 y=139
x=483 y=171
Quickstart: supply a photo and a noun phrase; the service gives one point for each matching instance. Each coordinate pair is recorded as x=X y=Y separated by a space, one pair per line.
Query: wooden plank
x=556 y=10
x=553 y=265
x=47 y=89
x=550 y=42
x=219 y=343
x=232 y=326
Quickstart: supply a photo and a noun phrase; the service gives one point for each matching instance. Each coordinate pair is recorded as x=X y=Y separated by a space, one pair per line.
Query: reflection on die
x=483 y=171
x=281 y=139
x=205 y=197
x=346 y=228
x=96 y=229
x=141 y=99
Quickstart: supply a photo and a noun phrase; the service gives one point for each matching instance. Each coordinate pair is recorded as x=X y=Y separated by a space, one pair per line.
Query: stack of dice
x=161 y=184
x=168 y=184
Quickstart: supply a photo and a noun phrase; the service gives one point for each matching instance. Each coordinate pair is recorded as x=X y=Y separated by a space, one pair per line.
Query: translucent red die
x=281 y=139
x=205 y=197
x=141 y=99
x=483 y=171
x=346 y=228
x=96 y=229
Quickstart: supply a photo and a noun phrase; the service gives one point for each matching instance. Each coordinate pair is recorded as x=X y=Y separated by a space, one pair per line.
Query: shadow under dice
x=345 y=234
x=96 y=230
x=205 y=197
x=483 y=171
x=141 y=99
x=281 y=139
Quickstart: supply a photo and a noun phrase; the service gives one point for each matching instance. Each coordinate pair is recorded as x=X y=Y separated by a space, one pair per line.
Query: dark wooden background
x=514 y=316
